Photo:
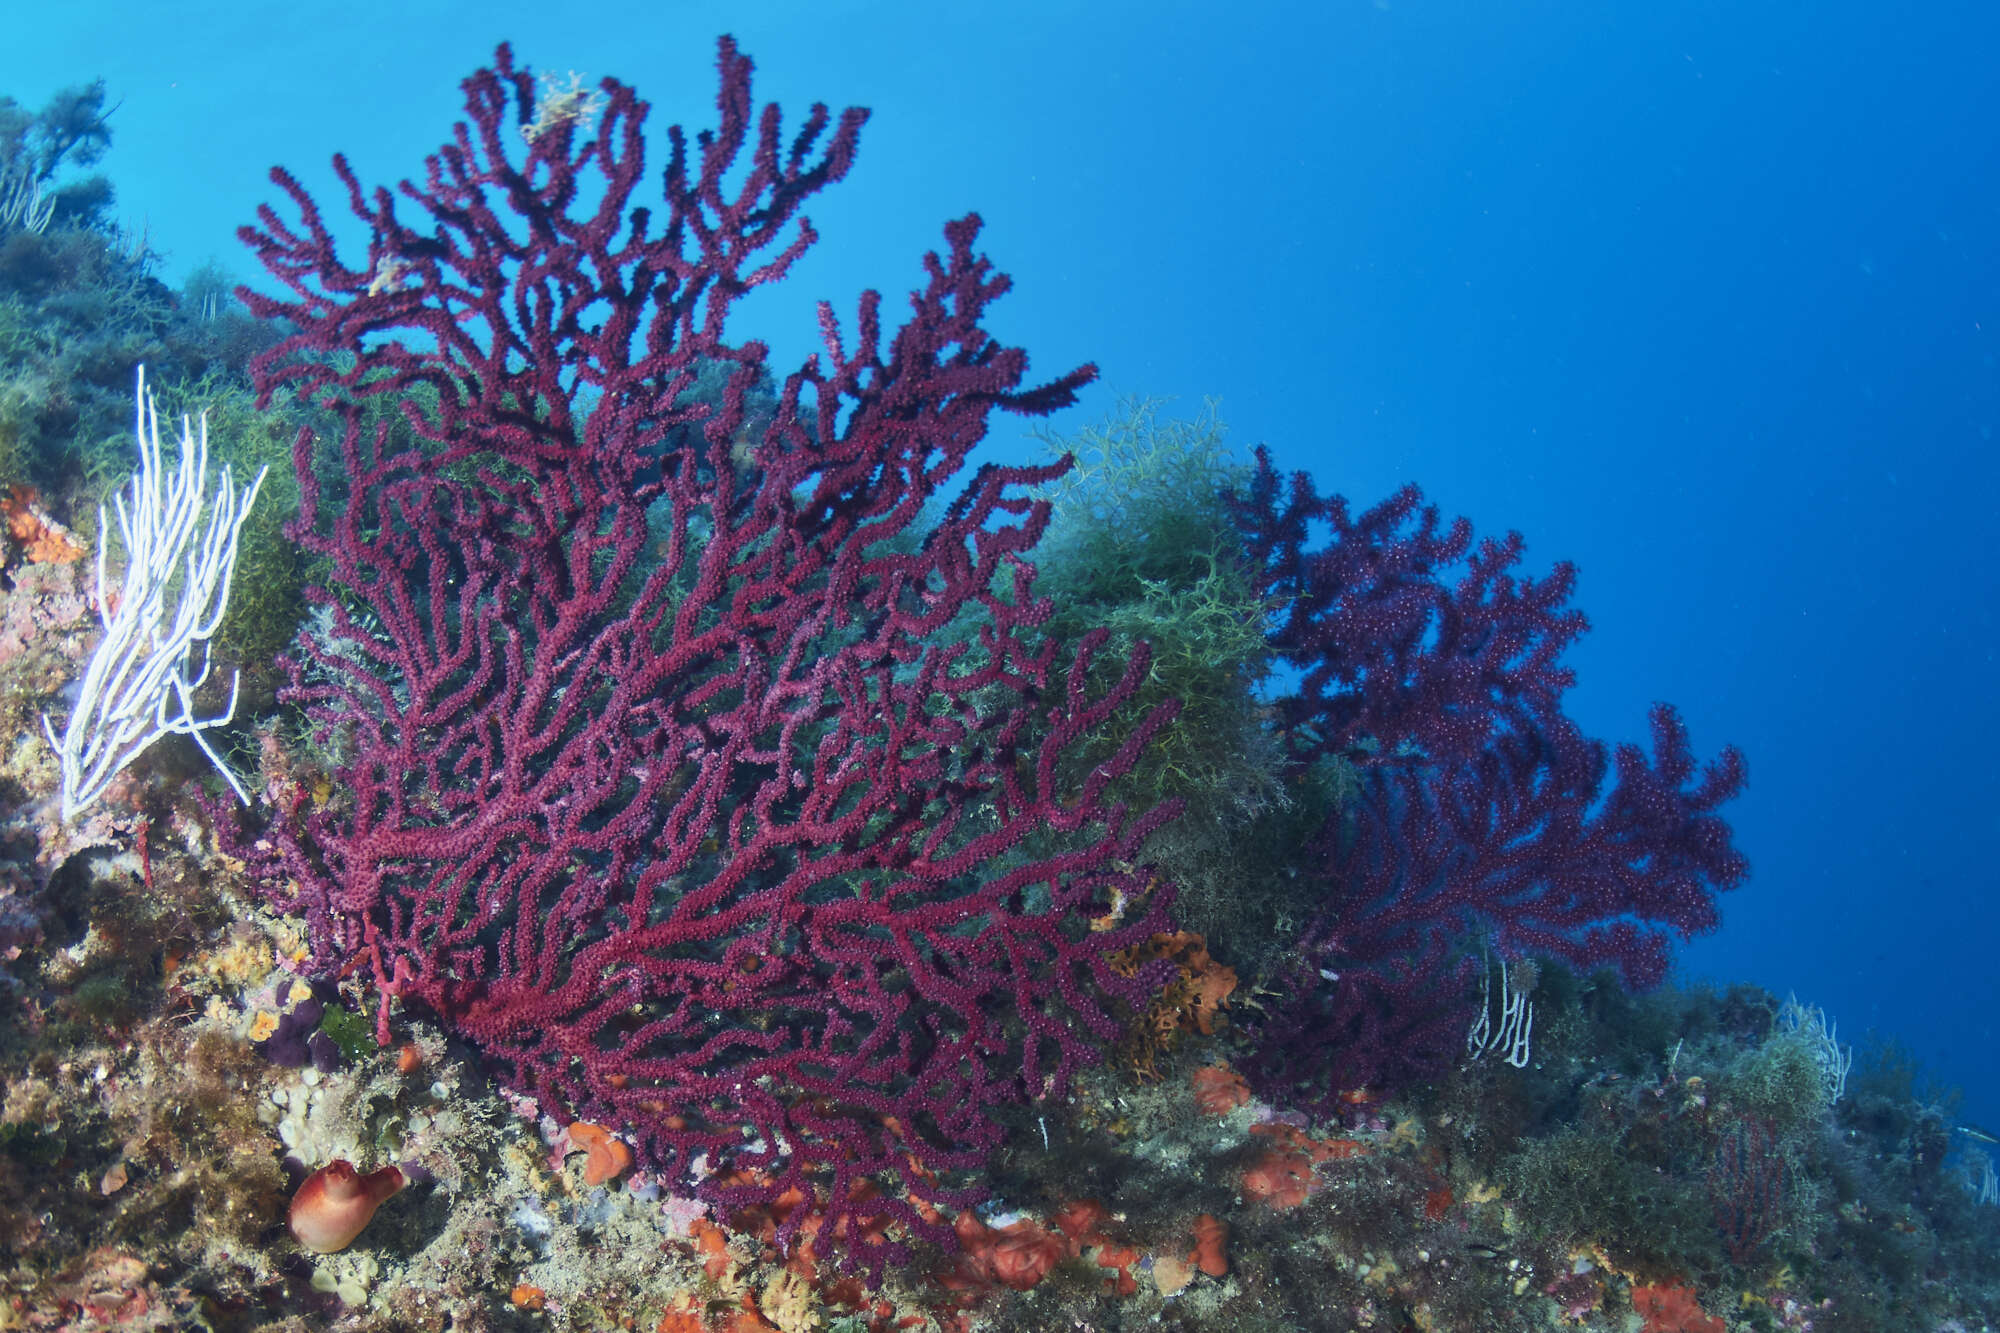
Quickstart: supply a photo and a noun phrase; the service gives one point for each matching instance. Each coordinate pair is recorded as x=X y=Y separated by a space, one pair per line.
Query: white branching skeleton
x=1506 y=1023
x=180 y=554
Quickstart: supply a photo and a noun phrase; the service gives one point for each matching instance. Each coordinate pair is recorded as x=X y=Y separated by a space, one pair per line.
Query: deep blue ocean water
x=1701 y=296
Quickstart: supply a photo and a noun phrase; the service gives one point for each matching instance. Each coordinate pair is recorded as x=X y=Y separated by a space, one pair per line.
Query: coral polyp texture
x=694 y=752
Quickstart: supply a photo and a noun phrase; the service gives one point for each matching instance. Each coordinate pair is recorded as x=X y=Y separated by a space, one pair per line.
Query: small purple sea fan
x=1432 y=668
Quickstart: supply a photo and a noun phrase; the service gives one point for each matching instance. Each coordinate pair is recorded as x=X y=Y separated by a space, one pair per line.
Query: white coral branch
x=137 y=687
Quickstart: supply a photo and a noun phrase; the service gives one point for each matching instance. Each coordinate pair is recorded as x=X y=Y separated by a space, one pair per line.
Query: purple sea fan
x=1405 y=636
x=1432 y=668
x=703 y=766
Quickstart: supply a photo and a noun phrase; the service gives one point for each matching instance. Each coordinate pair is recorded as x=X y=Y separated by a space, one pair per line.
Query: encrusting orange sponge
x=336 y=1201
x=1211 y=1240
x=608 y=1157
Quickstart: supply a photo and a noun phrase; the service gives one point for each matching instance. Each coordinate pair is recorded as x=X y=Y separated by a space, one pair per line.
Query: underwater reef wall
x=748 y=855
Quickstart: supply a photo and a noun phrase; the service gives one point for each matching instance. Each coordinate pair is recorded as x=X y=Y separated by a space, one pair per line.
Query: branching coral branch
x=180 y=554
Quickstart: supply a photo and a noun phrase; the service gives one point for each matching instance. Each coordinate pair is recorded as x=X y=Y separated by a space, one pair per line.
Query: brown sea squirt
x=336 y=1201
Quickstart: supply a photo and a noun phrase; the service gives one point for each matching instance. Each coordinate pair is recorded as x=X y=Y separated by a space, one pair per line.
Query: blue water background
x=1700 y=296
